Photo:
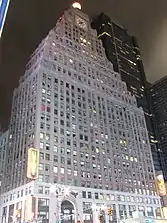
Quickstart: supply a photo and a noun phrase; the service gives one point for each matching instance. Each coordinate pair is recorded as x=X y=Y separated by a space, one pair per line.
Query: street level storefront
x=46 y=203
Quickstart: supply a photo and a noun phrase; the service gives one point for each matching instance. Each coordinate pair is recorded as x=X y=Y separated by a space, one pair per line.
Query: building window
x=48 y=109
x=83 y=194
x=62 y=171
x=41 y=135
x=101 y=196
x=55 y=169
x=43 y=107
x=41 y=145
x=41 y=155
x=47 y=146
x=43 y=202
x=96 y=196
x=47 y=167
x=47 y=178
x=89 y=195
x=47 y=156
x=69 y=172
x=41 y=166
x=41 y=178
x=40 y=190
x=55 y=149
x=47 y=137
x=107 y=197
x=47 y=190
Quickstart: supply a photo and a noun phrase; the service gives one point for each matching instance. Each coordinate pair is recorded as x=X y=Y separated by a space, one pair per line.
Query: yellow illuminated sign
x=32 y=163
x=161 y=185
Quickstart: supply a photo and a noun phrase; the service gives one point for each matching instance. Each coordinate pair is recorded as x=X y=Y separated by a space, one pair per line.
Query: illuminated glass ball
x=76 y=5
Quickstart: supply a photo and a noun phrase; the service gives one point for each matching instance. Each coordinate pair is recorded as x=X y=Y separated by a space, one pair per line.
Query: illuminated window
x=41 y=135
x=94 y=165
x=41 y=178
x=43 y=107
x=41 y=145
x=55 y=148
x=41 y=166
x=55 y=169
x=43 y=91
x=121 y=141
x=69 y=172
x=82 y=163
x=107 y=197
x=101 y=196
x=132 y=199
x=74 y=153
x=47 y=137
x=62 y=170
x=41 y=155
x=122 y=198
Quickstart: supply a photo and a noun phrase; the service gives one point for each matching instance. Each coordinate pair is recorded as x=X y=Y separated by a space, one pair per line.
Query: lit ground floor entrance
x=67 y=212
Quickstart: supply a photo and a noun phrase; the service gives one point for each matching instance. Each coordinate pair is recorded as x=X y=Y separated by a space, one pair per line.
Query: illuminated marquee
x=32 y=163
x=161 y=185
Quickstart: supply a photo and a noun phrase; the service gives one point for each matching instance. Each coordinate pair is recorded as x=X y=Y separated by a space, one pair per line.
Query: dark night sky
x=28 y=22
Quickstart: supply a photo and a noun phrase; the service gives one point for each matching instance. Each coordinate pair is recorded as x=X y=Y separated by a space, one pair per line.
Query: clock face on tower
x=81 y=23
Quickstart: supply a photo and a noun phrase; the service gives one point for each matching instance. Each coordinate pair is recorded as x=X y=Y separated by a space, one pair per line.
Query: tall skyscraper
x=78 y=142
x=159 y=106
x=4 y=4
x=3 y=150
x=122 y=50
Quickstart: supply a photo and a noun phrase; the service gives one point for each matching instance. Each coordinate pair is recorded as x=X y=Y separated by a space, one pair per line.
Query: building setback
x=92 y=140
x=122 y=50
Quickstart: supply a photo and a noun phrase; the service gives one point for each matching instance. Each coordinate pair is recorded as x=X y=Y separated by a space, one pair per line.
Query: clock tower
x=81 y=22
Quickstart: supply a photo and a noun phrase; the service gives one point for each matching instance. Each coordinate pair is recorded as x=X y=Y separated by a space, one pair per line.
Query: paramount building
x=78 y=143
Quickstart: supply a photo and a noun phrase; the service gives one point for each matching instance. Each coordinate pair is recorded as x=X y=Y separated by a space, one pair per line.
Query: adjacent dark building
x=122 y=50
x=159 y=108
